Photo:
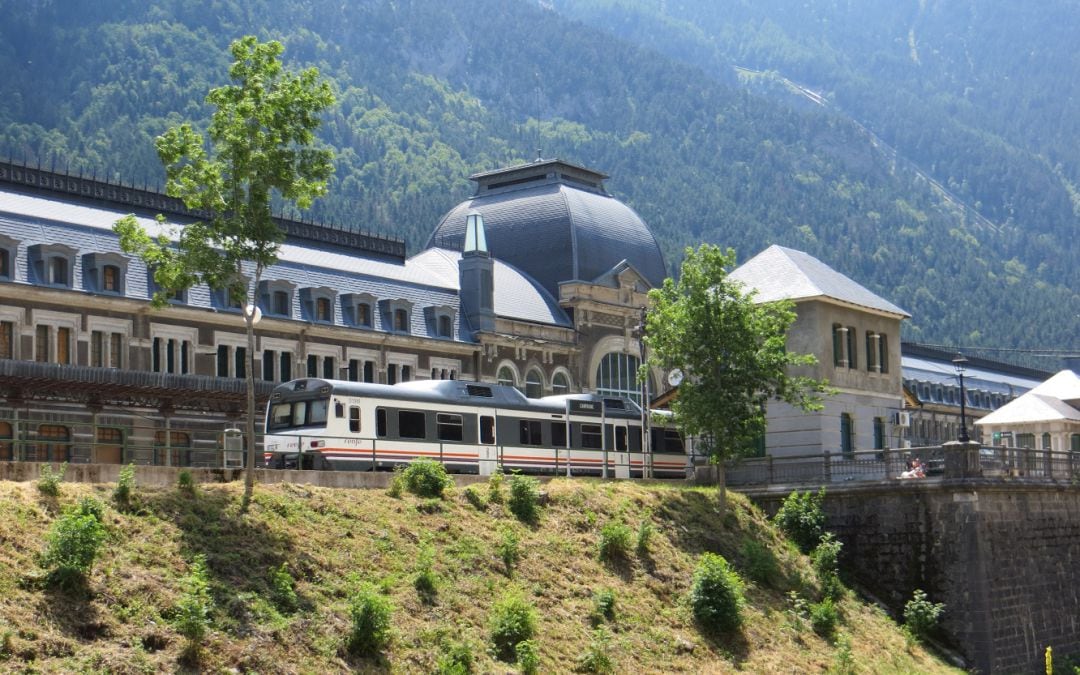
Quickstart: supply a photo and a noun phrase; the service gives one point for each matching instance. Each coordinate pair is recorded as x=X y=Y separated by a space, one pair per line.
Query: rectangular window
x=871 y=352
x=363 y=314
x=620 y=439
x=558 y=434
x=241 y=362
x=354 y=370
x=268 y=365
x=322 y=309
x=590 y=436
x=369 y=371
x=97 y=349
x=223 y=361
x=116 y=350
x=411 y=424
x=328 y=370
x=286 y=366
x=530 y=432
x=487 y=430
x=448 y=427
x=883 y=353
x=7 y=340
x=5 y=263
x=838 y=346
x=391 y=374
x=879 y=433
x=63 y=345
x=354 y=419
x=41 y=344
x=312 y=365
x=170 y=356
x=406 y=373
x=110 y=278
x=380 y=422
x=155 y=355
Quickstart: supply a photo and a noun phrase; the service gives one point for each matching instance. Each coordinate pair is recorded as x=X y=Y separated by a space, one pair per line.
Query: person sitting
x=915 y=469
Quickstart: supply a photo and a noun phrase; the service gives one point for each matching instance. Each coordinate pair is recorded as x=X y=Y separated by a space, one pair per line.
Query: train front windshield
x=298 y=414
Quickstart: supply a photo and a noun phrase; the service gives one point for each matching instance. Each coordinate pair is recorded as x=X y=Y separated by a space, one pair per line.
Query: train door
x=488 y=450
x=618 y=444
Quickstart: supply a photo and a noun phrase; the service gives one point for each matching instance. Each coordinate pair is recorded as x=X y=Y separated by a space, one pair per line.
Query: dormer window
x=231 y=298
x=357 y=309
x=8 y=248
x=275 y=297
x=397 y=314
x=318 y=304
x=52 y=264
x=440 y=321
x=104 y=272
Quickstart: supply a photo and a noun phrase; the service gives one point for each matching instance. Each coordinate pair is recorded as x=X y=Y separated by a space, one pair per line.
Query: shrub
x=125 y=486
x=596 y=658
x=495 y=487
x=186 y=482
x=283 y=589
x=761 y=563
x=370 y=614
x=844 y=660
x=476 y=497
x=456 y=659
x=824 y=617
x=615 y=540
x=920 y=615
x=644 y=535
x=91 y=506
x=798 y=612
x=716 y=595
x=603 y=606
x=192 y=618
x=426 y=581
x=825 y=559
x=72 y=545
x=49 y=482
x=426 y=478
x=802 y=519
x=528 y=657
x=397 y=482
x=524 y=499
x=508 y=548
x=512 y=620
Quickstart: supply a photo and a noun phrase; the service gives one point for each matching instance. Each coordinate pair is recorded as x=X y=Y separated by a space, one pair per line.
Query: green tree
x=261 y=145
x=732 y=352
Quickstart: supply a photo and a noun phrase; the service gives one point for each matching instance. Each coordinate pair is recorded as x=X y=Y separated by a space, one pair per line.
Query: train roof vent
x=477 y=390
x=614 y=404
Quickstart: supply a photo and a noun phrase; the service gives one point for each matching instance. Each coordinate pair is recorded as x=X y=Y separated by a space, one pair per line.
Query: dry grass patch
x=333 y=541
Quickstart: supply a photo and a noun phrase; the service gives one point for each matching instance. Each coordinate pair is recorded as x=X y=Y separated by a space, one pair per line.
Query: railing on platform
x=952 y=460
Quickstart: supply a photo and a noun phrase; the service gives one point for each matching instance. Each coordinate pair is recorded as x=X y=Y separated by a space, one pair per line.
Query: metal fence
x=973 y=461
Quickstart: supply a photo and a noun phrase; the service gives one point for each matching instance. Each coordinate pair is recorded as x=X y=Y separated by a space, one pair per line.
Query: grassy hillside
x=332 y=541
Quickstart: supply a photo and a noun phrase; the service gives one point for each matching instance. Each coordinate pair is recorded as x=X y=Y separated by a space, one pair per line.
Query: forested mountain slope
x=432 y=91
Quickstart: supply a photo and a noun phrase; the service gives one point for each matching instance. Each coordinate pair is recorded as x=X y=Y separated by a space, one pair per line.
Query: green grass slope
x=332 y=541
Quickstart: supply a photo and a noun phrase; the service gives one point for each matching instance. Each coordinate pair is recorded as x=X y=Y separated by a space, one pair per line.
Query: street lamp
x=646 y=435
x=960 y=363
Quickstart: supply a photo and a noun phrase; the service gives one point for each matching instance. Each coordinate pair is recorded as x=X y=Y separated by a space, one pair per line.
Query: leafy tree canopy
x=731 y=350
x=261 y=146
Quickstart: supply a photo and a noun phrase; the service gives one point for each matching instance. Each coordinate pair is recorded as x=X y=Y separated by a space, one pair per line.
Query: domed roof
x=556 y=222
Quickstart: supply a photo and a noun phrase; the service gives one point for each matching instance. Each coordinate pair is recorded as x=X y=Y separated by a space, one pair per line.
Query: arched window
x=534 y=384
x=560 y=384
x=506 y=377
x=617 y=376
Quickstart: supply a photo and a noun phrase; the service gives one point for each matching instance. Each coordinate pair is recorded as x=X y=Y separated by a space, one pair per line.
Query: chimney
x=476 y=274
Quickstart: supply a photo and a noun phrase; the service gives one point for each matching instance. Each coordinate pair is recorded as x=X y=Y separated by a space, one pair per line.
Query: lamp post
x=646 y=435
x=960 y=363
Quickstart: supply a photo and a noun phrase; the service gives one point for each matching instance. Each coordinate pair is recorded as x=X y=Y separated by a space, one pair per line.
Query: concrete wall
x=1005 y=560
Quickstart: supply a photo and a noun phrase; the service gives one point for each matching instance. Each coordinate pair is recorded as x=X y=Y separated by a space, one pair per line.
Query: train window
x=590 y=436
x=280 y=415
x=299 y=412
x=380 y=422
x=530 y=432
x=558 y=434
x=317 y=414
x=411 y=424
x=667 y=440
x=487 y=430
x=448 y=427
x=354 y=419
x=339 y=409
x=620 y=439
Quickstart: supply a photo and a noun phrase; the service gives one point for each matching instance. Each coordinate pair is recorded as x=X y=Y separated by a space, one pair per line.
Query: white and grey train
x=471 y=427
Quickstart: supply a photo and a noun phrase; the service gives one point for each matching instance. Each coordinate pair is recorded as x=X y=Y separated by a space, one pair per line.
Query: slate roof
x=1056 y=399
x=37 y=219
x=555 y=222
x=517 y=295
x=782 y=273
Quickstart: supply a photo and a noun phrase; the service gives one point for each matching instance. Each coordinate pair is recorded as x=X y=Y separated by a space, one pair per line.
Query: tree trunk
x=721 y=479
x=249 y=430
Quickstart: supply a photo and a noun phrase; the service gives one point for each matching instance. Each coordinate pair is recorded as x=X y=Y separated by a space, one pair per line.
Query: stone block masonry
x=1004 y=557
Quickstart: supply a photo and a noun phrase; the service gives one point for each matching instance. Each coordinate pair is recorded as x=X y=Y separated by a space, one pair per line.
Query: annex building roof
x=1056 y=399
x=780 y=273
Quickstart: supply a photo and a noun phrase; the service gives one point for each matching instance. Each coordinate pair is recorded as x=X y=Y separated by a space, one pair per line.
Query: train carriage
x=470 y=427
